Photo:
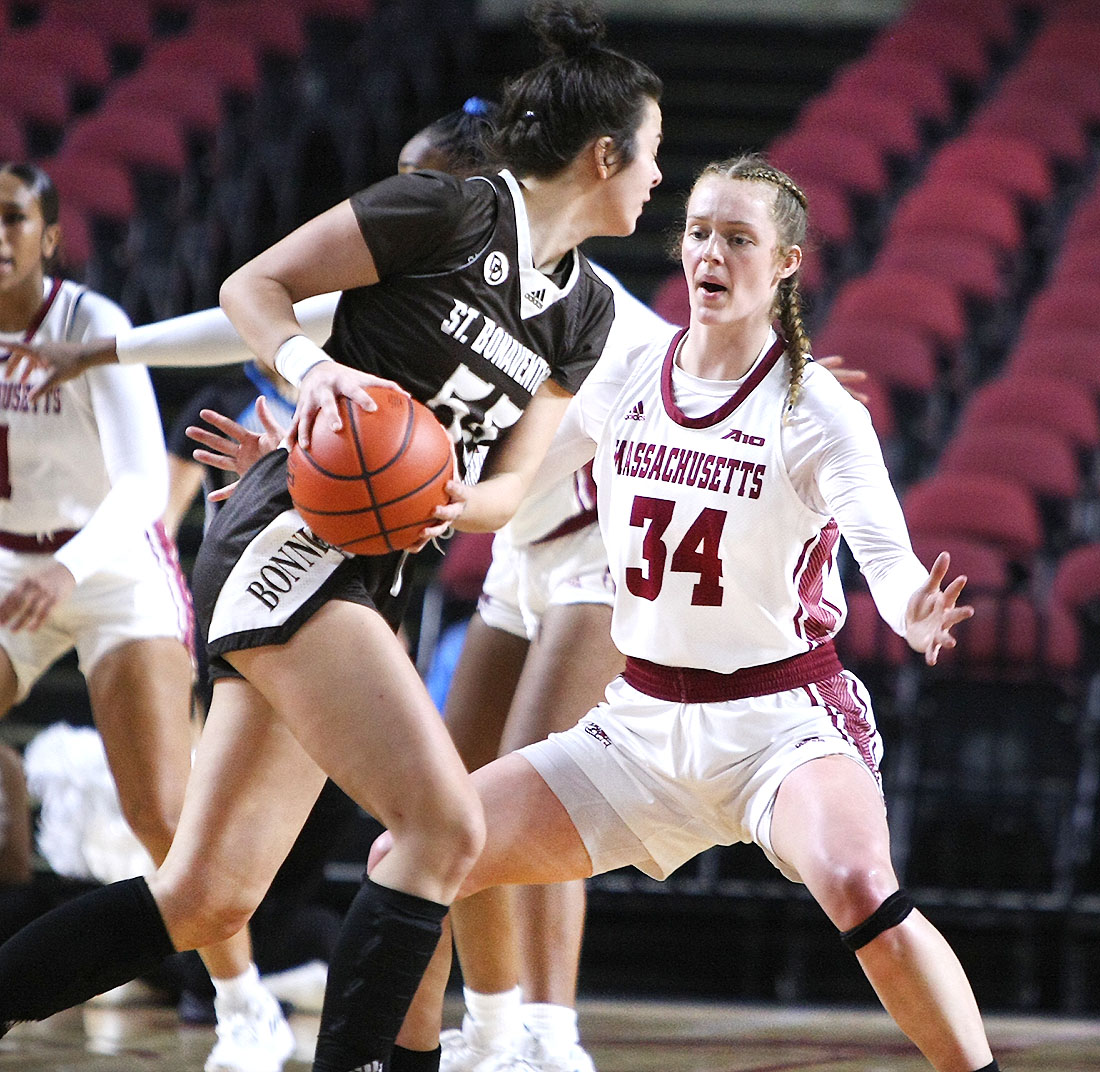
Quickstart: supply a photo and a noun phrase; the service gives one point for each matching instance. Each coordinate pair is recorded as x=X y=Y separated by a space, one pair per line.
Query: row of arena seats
x=139 y=108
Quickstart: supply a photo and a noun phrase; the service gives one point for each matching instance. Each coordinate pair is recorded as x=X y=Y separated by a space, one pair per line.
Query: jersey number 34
x=698 y=551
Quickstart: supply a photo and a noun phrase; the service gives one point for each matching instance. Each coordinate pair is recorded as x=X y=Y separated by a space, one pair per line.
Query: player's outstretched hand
x=933 y=612
x=236 y=449
x=61 y=360
x=27 y=605
x=318 y=393
x=848 y=378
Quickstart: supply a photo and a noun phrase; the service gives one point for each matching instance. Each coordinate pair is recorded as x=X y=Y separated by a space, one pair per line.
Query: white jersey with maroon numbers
x=722 y=520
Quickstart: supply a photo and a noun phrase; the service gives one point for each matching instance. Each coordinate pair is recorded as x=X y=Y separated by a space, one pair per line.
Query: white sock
x=555 y=1026
x=495 y=1017
x=240 y=991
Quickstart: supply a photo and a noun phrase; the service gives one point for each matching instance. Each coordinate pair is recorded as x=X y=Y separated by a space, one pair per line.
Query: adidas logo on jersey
x=635 y=413
x=536 y=297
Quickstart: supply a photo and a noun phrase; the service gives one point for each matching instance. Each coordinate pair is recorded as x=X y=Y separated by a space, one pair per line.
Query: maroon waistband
x=684 y=684
x=36 y=545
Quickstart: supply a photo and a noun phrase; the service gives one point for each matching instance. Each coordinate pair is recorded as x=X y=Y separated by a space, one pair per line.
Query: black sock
x=79 y=949
x=402 y=1060
x=385 y=944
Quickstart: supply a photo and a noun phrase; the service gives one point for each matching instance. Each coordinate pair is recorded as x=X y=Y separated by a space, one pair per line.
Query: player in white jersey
x=85 y=564
x=548 y=594
x=727 y=466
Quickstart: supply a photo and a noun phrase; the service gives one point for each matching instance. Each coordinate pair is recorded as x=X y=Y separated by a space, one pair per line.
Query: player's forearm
x=208 y=337
x=491 y=503
x=261 y=312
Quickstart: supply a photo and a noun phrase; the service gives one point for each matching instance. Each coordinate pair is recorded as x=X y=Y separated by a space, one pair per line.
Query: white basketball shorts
x=652 y=783
x=523 y=582
x=149 y=599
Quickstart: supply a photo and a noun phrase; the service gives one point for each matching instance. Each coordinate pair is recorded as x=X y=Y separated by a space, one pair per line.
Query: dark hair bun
x=567 y=29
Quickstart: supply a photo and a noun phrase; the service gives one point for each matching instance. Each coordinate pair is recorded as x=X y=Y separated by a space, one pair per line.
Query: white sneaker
x=532 y=1056
x=302 y=987
x=464 y=1049
x=256 y=1040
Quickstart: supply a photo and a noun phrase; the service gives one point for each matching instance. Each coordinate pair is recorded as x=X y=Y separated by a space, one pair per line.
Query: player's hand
x=446 y=515
x=933 y=612
x=28 y=604
x=61 y=361
x=318 y=395
x=237 y=448
x=848 y=378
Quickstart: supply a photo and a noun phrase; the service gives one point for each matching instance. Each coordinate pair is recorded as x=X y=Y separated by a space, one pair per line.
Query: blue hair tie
x=475 y=106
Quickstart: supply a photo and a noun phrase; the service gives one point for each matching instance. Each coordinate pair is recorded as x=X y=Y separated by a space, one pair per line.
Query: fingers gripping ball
x=370 y=488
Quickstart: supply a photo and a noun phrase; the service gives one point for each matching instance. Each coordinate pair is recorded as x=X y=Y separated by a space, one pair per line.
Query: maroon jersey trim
x=687 y=684
x=708 y=420
x=43 y=310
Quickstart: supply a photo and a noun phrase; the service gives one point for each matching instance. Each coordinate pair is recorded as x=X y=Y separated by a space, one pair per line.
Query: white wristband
x=296 y=357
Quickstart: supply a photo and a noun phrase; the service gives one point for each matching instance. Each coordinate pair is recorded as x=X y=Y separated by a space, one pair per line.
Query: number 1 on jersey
x=5 y=475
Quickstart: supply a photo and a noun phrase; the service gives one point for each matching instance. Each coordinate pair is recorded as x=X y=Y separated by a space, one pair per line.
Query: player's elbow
x=231 y=292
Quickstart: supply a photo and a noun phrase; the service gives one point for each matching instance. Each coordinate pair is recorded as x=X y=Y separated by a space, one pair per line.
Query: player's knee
x=891 y=912
x=462 y=832
x=851 y=889
x=197 y=913
x=448 y=838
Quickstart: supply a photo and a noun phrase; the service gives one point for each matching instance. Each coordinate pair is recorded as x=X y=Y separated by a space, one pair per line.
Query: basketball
x=370 y=488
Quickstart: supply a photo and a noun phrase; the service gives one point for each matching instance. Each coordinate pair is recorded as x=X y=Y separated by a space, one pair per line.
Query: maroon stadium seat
x=982 y=507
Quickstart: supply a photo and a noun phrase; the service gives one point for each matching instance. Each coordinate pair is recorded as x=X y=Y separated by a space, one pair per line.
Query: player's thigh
x=251 y=788
x=141 y=698
x=529 y=836
x=568 y=668
x=829 y=823
x=481 y=690
x=348 y=691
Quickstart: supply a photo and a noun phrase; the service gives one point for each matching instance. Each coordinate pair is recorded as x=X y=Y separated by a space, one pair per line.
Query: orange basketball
x=371 y=487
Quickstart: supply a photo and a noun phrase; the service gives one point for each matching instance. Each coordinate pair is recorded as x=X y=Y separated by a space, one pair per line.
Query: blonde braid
x=789 y=315
x=790 y=216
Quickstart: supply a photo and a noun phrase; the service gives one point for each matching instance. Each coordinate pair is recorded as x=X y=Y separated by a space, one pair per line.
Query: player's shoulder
x=433 y=193
x=824 y=400
x=633 y=361
x=593 y=284
x=89 y=313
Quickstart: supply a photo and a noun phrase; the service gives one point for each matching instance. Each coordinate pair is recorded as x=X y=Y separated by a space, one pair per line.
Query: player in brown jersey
x=324 y=686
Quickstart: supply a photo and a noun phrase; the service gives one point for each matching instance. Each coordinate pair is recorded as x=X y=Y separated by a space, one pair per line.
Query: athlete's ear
x=790 y=261
x=51 y=236
x=605 y=156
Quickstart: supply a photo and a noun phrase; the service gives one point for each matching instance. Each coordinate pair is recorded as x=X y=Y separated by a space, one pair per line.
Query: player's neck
x=721 y=351
x=20 y=304
x=559 y=215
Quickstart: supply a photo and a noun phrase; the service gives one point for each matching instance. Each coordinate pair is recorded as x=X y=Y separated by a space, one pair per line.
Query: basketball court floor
x=622 y=1036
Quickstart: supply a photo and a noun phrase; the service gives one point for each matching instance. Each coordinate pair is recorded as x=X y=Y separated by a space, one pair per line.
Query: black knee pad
x=888 y=914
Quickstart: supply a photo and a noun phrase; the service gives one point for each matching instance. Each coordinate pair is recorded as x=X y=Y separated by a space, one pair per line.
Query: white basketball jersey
x=52 y=469
x=718 y=563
